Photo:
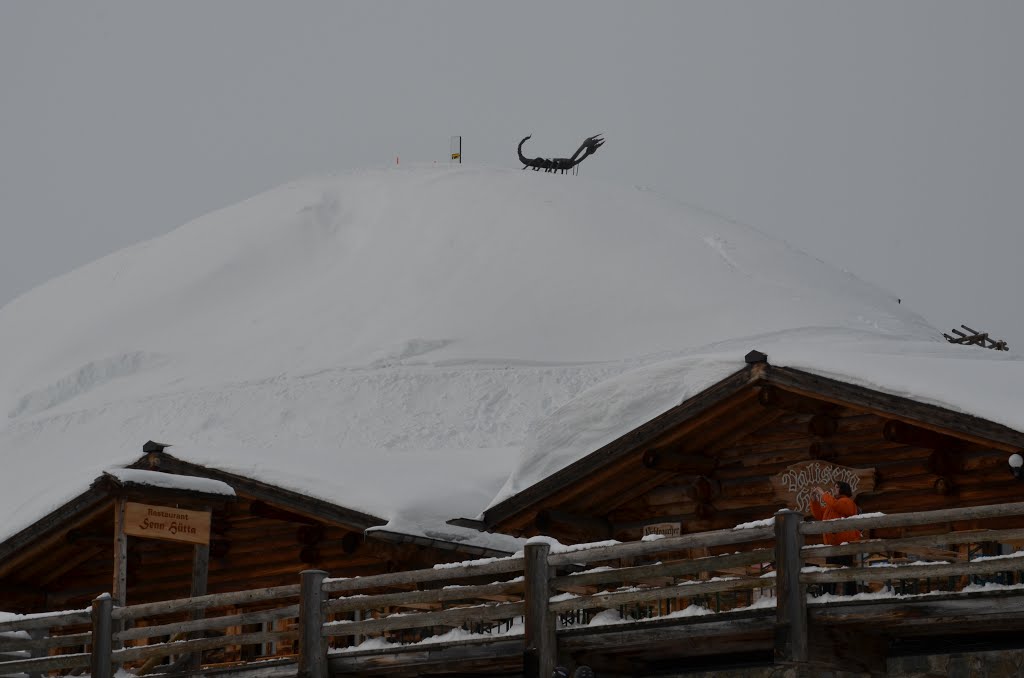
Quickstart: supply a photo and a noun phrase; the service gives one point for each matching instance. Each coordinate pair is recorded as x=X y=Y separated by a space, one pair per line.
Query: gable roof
x=159 y=475
x=757 y=381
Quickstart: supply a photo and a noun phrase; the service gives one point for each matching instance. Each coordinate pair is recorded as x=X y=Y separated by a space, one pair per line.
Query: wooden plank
x=287 y=612
x=694 y=636
x=682 y=590
x=630 y=525
x=45 y=621
x=414 y=598
x=914 y=518
x=282 y=667
x=45 y=664
x=130 y=654
x=45 y=642
x=908 y=543
x=645 y=548
x=913 y=571
x=672 y=569
x=488 y=656
x=749 y=453
x=483 y=568
x=209 y=600
x=963 y=612
x=451 y=617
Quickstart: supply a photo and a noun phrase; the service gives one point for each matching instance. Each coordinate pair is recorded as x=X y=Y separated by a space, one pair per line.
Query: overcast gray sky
x=883 y=137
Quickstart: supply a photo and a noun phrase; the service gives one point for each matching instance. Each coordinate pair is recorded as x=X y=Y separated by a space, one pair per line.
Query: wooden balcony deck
x=687 y=612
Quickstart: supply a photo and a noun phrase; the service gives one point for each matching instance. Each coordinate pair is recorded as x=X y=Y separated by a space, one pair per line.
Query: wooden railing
x=537 y=594
x=100 y=647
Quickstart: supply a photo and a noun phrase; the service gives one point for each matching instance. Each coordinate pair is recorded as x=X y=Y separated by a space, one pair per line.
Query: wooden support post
x=120 y=585
x=312 y=648
x=540 y=648
x=200 y=570
x=35 y=652
x=119 y=592
x=358 y=615
x=100 y=665
x=791 y=598
x=200 y=575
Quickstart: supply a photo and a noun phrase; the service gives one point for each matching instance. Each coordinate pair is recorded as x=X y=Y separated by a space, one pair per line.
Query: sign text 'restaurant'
x=165 y=522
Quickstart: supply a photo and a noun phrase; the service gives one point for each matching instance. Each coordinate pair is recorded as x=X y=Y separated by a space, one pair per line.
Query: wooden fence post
x=791 y=598
x=312 y=648
x=37 y=634
x=540 y=649
x=100 y=663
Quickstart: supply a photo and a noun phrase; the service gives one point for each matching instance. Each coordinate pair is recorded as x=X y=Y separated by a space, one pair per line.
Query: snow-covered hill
x=395 y=341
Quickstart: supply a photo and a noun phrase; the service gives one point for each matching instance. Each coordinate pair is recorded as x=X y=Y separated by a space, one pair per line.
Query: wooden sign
x=165 y=522
x=795 y=484
x=664 y=529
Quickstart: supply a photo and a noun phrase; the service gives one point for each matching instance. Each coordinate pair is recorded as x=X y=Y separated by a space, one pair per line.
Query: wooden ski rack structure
x=976 y=338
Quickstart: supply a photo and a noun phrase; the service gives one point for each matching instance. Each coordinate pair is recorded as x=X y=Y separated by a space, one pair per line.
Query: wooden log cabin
x=759 y=441
x=259 y=536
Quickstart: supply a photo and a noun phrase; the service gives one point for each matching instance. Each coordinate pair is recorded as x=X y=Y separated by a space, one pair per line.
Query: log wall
x=250 y=547
x=717 y=473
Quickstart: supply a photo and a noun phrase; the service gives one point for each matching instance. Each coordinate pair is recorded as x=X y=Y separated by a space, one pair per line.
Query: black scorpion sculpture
x=563 y=165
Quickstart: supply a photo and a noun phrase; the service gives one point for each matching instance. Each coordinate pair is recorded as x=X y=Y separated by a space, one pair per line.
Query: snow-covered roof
x=976 y=382
x=170 y=481
x=413 y=343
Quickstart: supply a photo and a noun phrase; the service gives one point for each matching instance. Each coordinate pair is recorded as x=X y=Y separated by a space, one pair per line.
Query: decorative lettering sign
x=795 y=484
x=165 y=522
x=664 y=529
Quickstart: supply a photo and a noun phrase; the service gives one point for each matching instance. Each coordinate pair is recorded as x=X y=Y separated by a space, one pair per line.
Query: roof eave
x=968 y=426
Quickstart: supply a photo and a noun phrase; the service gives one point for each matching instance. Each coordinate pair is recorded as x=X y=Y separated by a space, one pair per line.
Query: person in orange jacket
x=839 y=504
